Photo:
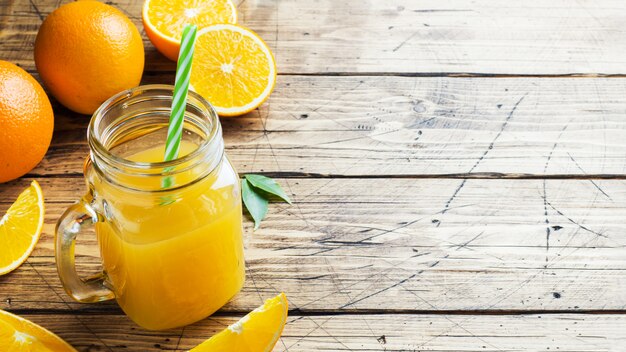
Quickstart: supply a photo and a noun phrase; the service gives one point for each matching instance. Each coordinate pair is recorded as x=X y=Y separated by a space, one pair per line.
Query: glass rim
x=103 y=152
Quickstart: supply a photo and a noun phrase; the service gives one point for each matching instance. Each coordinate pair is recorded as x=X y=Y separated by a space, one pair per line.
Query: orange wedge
x=164 y=20
x=20 y=335
x=20 y=228
x=232 y=68
x=256 y=332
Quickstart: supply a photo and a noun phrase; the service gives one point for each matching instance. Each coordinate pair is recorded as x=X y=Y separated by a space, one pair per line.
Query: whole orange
x=87 y=51
x=26 y=122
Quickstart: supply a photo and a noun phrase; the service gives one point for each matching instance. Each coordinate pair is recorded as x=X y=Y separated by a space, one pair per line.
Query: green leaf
x=254 y=202
x=268 y=185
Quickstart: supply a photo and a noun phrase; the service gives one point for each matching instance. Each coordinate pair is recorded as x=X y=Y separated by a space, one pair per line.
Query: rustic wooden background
x=457 y=168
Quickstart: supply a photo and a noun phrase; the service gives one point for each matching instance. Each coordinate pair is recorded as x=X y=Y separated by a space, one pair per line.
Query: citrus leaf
x=254 y=202
x=268 y=185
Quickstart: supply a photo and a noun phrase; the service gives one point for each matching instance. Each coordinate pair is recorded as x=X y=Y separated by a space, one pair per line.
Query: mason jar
x=169 y=232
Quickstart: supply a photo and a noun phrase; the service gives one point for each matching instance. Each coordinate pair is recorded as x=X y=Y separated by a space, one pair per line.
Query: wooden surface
x=412 y=126
x=345 y=245
x=358 y=332
x=531 y=37
x=458 y=171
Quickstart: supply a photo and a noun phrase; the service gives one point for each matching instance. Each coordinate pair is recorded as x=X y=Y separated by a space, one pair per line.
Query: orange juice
x=174 y=257
x=169 y=232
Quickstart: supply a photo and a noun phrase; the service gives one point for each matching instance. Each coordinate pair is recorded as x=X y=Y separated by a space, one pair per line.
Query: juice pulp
x=172 y=264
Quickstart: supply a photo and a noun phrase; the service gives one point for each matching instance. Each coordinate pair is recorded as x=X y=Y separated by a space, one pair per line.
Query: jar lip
x=97 y=146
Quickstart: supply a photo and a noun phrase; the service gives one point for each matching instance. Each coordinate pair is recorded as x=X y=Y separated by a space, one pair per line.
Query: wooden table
x=457 y=168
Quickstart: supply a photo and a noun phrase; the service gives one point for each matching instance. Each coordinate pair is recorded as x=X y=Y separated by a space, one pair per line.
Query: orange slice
x=164 y=20
x=232 y=68
x=20 y=335
x=256 y=332
x=20 y=228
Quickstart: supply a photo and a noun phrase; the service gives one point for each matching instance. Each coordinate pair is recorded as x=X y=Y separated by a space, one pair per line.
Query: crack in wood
x=41 y=17
x=545 y=197
x=575 y=222
x=592 y=181
x=482 y=157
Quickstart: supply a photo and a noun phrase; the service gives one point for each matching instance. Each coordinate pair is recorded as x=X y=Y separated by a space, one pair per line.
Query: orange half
x=164 y=20
x=232 y=68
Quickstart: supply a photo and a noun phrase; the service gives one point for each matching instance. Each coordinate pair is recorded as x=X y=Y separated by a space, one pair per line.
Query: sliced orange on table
x=20 y=228
x=232 y=68
x=164 y=20
x=20 y=335
x=256 y=332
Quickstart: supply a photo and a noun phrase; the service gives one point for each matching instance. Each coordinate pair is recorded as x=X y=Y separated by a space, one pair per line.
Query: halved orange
x=20 y=228
x=164 y=20
x=256 y=332
x=232 y=68
x=20 y=335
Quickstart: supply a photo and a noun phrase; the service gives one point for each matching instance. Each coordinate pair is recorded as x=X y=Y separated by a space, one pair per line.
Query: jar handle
x=68 y=227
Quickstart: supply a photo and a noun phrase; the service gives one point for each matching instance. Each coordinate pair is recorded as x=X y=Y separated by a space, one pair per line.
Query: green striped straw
x=181 y=87
x=179 y=101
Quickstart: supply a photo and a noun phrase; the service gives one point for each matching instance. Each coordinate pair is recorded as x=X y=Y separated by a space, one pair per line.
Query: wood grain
x=380 y=111
x=397 y=36
x=407 y=126
x=444 y=333
x=400 y=245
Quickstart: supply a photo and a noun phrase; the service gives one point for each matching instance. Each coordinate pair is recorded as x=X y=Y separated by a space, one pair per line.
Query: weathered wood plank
x=401 y=245
x=404 y=36
x=468 y=333
x=412 y=126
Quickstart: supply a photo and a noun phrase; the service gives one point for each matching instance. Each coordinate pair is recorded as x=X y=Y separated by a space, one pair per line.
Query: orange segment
x=164 y=20
x=20 y=228
x=232 y=68
x=20 y=335
x=256 y=332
